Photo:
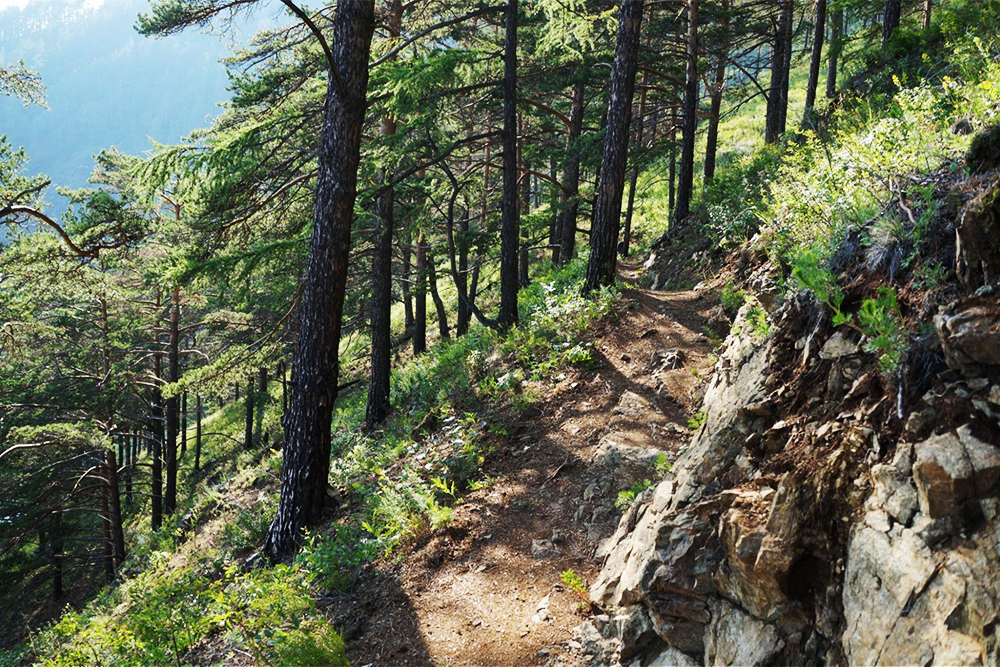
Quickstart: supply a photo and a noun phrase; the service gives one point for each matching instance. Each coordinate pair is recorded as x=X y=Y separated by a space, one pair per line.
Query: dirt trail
x=486 y=590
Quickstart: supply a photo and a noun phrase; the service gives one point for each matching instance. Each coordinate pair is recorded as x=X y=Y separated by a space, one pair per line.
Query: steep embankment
x=486 y=589
x=834 y=508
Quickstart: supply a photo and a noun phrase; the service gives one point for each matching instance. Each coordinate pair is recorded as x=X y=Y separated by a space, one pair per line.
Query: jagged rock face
x=739 y=381
x=842 y=561
x=906 y=603
x=970 y=334
x=978 y=240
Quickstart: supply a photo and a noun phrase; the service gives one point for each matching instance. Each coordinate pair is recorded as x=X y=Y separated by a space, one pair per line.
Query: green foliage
x=880 y=320
x=574 y=582
x=628 y=495
x=163 y=612
x=661 y=465
x=696 y=422
x=330 y=560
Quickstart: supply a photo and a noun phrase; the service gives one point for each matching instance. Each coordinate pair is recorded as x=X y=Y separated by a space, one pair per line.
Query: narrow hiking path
x=486 y=590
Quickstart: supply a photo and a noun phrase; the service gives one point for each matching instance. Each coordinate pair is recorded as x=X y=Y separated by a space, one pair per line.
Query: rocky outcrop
x=970 y=334
x=784 y=541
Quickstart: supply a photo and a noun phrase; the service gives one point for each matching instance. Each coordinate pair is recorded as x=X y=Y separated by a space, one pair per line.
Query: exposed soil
x=470 y=594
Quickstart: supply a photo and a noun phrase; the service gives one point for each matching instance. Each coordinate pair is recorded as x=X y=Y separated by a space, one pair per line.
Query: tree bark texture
x=510 y=224
x=836 y=45
x=638 y=145
x=685 y=179
x=248 y=425
x=197 y=432
x=420 y=300
x=315 y=369
x=718 y=86
x=819 y=33
x=173 y=374
x=608 y=206
x=890 y=18
x=571 y=177
x=377 y=406
x=777 y=95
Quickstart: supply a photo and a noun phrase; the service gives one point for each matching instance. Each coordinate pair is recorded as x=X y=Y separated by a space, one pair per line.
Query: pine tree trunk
x=464 y=311
x=377 y=406
x=638 y=145
x=248 y=426
x=777 y=102
x=928 y=7
x=156 y=444
x=718 y=85
x=523 y=280
x=173 y=374
x=56 y=536
x=608 y=207
x=571 y=176
x=819 y=33
x=315 y=370
x=197 y=432
x=130 y=450
x=442 y=314
x=890 y=18
x=510 y=224
x=420 y=300
x=836 y=45
x=115 y=514
x=786 y=71
x=672 y=195
x=685 y=179
x=405 y=281
x=184 y=423
x=107 y=541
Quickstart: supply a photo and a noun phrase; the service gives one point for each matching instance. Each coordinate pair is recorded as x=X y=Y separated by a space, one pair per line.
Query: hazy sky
x=21 y=4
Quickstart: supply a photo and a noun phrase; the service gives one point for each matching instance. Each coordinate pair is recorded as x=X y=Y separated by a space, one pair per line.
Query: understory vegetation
x=212 y=425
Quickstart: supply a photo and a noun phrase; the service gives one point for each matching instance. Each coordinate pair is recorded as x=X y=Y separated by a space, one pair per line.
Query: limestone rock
x=736 y=638
x=543 y=549
x=944 y=476
x=970 y=334
x=671 y=657
x=984 y=152
x=633 y=629
x=985 y=461
x=838 y=346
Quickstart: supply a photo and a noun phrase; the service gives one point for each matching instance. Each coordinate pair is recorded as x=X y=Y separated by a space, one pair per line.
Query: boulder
x=737 y=638
x=943 y=475
x=978 y=240
x=671 y=657
x=839 y=345
x=970 y=334
x=984 y=152
x=633 y=630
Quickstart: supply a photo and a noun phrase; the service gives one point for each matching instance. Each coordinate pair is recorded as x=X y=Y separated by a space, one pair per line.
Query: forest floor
x=486 y=590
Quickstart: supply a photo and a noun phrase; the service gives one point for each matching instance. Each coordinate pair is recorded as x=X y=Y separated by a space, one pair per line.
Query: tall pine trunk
x=156 y=444
x=510 y=223
x=115 y=507
x=197 y=432
x=836 y=45
x=420 y=300
x=248 y=425
x=377 y=406
x=184 y=423
x=685 y=179
x=819 y=33
x=890 y=18
x=718 y=85
x=608 y=207
x=442 y=314
x=777 y=96
x=638 y=146
x=928 y=7
x=571 y=177
x=173 y=374
x=315 y=369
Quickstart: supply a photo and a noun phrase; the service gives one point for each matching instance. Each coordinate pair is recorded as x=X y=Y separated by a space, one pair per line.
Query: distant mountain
x=108 y=85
